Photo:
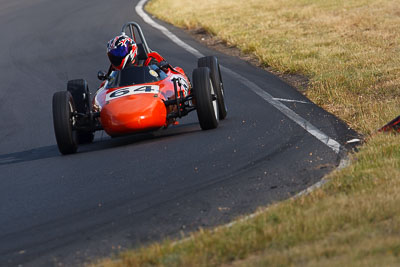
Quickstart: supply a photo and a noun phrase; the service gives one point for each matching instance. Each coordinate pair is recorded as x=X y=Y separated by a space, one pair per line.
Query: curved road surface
x=119 y=193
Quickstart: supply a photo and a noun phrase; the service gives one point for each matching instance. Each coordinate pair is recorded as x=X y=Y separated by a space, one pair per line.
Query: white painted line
x=139 y=10
x=331 y=143
x=352 y=141
x=335 y=146
x=291 y=101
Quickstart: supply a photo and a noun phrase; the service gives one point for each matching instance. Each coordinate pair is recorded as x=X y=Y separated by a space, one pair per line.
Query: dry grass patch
x=354 y=220
x=350 y=52
x=348 y=49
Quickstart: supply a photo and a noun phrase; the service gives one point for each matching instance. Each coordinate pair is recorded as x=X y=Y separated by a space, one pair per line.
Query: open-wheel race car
x=138 y=98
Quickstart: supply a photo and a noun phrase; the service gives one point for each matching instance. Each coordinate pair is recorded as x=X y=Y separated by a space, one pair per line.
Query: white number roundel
x=133 y=90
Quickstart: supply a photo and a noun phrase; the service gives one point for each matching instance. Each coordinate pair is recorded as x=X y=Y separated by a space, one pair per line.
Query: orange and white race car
x=138 y=98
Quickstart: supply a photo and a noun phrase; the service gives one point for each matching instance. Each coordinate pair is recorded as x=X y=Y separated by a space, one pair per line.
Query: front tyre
x=64 y=121
x=206 y=102
x=211 y=62
x=79 y=90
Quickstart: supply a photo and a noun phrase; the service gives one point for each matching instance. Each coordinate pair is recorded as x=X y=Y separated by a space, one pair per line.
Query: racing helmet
x=121 y=50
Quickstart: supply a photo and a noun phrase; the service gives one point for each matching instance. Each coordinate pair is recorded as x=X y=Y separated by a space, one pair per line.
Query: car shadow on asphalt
x=103 y=143
x=100 y=143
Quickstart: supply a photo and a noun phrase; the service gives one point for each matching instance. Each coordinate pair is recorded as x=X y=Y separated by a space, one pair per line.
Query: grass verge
x=349 y=49
x=353 y=220
x=350 y=52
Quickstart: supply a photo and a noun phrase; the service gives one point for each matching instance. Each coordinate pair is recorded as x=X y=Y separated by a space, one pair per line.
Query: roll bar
x=132 y=24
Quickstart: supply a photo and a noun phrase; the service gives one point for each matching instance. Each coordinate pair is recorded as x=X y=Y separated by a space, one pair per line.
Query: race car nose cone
x=134 y=113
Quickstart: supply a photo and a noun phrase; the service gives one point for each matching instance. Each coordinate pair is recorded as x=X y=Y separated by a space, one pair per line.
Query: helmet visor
x=120 y=51
x=116 y=61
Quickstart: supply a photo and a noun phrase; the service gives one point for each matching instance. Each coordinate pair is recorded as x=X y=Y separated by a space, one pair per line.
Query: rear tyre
x=211 y=62
x=63 y=119
x=79 y=90
x=206 y=104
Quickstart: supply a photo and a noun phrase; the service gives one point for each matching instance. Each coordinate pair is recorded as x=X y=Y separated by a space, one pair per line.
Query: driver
x=122 y=51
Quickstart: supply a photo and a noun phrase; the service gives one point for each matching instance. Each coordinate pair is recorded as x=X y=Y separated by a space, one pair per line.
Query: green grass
x=349 y=50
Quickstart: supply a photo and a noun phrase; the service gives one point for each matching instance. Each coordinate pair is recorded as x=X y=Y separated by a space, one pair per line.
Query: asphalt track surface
x=119 y=193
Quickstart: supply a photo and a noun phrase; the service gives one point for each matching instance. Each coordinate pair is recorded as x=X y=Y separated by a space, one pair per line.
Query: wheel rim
x=72 y=121
x=222 y=93
x=214 y=102
x=221 y=86
x=71 y=113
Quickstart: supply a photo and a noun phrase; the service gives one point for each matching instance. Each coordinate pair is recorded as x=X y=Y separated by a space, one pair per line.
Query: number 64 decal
x=133 y=90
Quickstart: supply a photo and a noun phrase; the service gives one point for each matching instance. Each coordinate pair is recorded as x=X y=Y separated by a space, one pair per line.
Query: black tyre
x=63 y=109
x=211 y=62
x=207 y=107
x=79 y=90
